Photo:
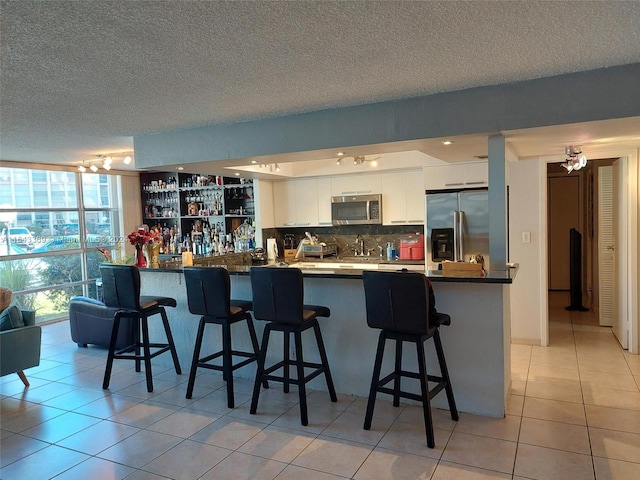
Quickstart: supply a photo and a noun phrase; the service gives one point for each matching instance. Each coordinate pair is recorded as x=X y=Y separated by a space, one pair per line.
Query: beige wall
x=528 y=206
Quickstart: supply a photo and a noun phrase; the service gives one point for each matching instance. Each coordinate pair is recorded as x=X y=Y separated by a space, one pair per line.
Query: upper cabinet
x=461 y=175
x=363 y=184
x=295 y=203
x=403 y=198
x=324 y=202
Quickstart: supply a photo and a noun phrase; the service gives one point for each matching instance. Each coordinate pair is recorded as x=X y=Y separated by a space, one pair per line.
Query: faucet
x=360 y=243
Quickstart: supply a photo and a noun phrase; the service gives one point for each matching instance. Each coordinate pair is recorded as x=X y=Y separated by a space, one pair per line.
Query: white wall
x=526 y=214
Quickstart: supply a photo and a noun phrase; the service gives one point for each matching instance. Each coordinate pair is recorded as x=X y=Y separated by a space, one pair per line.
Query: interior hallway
x=574 y=413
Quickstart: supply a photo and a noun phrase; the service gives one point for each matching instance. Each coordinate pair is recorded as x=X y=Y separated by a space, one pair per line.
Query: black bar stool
x=209 y=295
x=278 y=296
x=402 y=305
x=121 y=289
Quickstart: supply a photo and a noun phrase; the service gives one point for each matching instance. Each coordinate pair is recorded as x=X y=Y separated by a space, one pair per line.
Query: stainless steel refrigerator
x=457 y=225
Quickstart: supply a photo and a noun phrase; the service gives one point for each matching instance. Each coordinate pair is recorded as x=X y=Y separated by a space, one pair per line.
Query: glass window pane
x=51 y=304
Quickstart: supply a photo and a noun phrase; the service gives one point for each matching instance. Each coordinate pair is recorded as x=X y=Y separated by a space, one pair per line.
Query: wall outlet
x=526 y=237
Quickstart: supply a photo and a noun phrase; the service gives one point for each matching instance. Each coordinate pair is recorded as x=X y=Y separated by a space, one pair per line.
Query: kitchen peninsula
x=476 y=344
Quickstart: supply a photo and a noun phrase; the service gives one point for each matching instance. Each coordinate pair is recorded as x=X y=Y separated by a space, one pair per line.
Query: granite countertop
x=350 y=269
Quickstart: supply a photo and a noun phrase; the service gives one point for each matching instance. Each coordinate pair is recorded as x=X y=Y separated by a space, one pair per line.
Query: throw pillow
x=11 y=318
x=5 y=298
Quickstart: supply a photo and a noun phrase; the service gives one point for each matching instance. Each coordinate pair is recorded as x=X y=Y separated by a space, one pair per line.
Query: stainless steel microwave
x=356 y=210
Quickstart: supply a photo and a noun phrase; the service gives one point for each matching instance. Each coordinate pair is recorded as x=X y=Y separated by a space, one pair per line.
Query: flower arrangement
x=143 y=236
x=119 y=259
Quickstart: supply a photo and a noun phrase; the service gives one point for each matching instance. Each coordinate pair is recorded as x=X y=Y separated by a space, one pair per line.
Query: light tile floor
x=574 y=413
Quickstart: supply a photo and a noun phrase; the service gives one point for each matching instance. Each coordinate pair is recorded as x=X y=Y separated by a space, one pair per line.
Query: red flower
x=142 y=237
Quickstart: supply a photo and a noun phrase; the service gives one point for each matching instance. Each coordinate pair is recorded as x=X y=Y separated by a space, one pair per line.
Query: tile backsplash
x=344 y=237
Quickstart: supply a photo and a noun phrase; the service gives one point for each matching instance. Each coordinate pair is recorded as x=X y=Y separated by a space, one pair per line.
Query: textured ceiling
x=83 y=77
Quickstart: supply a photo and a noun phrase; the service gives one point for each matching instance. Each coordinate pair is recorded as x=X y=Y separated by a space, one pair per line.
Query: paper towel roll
x=272 y=249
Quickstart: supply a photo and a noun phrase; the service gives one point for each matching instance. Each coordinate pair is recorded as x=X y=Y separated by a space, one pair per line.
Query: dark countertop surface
x=493 y=277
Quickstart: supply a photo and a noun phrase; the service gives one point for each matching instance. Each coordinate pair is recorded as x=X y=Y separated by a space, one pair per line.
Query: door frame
x=629 y=162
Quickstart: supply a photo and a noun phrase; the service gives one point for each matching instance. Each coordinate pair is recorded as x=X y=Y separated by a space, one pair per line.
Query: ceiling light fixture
x=447 y=142
x=360 y=160
x=575 y=159
x=104 y=161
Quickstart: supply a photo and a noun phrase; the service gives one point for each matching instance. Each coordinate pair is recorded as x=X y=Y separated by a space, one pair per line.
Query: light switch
x=526 y=237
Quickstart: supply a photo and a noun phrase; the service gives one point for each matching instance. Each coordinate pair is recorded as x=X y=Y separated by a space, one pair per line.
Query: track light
x=93 y=168
x=127 y=160
x=82 y=168
x=360 y=160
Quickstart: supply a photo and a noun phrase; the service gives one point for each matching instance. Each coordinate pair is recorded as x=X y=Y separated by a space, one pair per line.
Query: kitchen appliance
x=259 y=256
x=412 y=247
x=356 y=210
x=272 y=249
x=457 y=225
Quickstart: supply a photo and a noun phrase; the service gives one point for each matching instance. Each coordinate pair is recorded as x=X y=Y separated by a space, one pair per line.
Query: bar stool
x=121 y=289
x=209 y=295
x=278 y=296
x=402 y=305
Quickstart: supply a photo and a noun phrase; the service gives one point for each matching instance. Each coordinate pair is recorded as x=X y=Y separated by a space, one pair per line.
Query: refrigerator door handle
x=461 y=236
x=456 y=236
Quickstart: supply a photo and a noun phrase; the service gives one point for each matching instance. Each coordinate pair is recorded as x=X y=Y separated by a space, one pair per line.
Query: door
x=606 y=248
x=621 y=322
x=564 y=214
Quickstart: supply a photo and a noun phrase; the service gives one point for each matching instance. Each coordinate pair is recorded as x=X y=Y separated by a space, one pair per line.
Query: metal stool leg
x=196 y=358
x=445 y=375
x=325 y=362
x=287 y=362
x=112 y=351
x=254 y=342
x=172 y=346
x=302 y=390
x=397 y=374
x=227 y=360
x=260 y=370
x=146 y=349
x=424 y=389
x=375 y=378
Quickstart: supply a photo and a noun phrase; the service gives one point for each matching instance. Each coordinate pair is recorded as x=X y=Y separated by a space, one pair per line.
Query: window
x=48 y=238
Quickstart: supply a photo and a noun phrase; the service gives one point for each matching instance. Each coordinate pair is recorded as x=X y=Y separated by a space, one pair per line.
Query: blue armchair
x=91 y=322
x=20 y=347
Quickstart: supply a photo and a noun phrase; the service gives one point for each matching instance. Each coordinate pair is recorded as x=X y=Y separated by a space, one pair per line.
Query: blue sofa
x=91 y=322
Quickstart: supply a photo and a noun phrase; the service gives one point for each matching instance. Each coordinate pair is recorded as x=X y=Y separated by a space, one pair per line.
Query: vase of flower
x=139 y=239
x=153 y=252
x=140 y=261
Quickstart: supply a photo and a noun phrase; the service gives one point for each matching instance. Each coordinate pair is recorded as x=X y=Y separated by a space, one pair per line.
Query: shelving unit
x=177 y=201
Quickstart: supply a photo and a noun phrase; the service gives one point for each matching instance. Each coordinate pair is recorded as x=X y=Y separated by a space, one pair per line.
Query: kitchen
x=335 y=280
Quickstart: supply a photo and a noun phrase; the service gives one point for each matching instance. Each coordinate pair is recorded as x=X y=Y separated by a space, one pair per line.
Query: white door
x=606 y=248
x=621 y=321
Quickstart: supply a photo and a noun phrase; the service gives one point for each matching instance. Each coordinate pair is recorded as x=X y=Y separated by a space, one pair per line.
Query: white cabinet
x=284 y=204
x=461 y=175
x=295 y=203
x=363 y=184
x=415 y=198
x=403 y=198
x=324 y=201
x=306 y=202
